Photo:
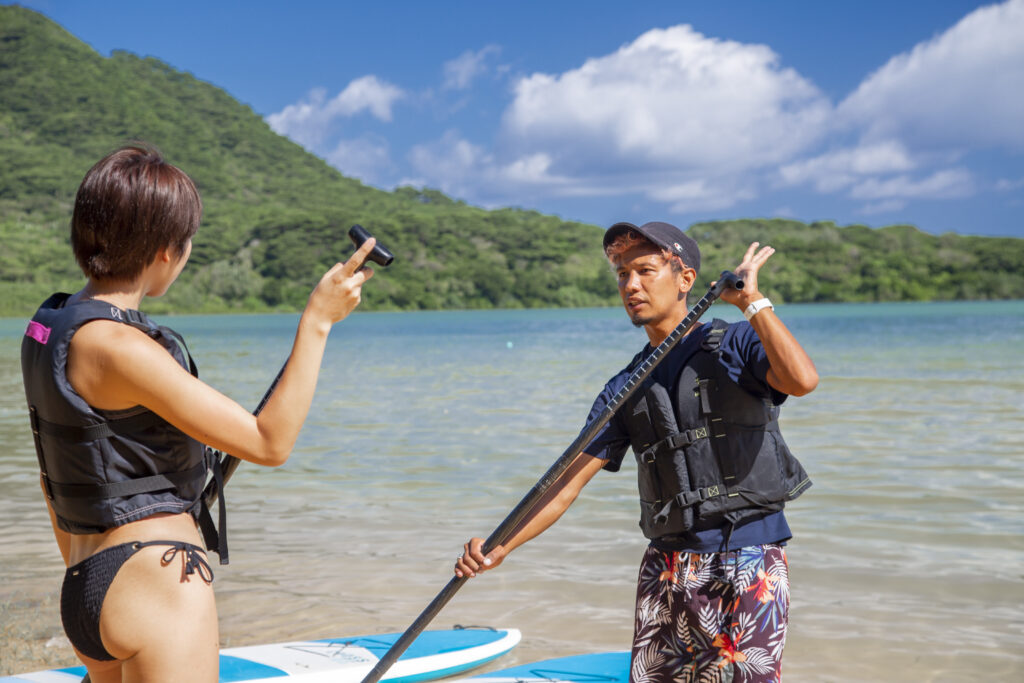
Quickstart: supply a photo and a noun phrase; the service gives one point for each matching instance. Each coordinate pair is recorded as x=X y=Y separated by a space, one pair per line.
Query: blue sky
x=867 y=112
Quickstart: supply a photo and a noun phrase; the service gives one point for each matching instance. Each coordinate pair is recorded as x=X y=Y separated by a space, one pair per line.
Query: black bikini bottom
x=86 y=584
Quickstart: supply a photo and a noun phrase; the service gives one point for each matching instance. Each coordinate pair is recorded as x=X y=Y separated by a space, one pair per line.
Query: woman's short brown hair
x=130 y=205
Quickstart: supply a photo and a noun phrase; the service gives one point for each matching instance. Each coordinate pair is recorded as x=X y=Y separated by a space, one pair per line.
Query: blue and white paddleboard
x=434 y=654
x=603 y=667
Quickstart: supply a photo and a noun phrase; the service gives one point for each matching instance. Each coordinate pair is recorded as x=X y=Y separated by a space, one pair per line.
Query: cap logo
x=676 y=245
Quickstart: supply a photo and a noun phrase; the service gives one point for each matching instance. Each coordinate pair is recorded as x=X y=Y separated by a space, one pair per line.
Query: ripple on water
x=427 y=429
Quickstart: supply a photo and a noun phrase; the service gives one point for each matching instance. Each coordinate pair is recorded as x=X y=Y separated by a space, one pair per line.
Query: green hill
x=276 y=216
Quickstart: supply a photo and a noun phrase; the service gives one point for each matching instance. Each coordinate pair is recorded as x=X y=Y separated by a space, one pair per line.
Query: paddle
x=380 y=255
x=230 y=463
x=504 y=530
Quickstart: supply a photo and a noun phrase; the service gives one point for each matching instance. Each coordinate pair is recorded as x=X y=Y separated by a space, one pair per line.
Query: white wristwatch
x=757 y=306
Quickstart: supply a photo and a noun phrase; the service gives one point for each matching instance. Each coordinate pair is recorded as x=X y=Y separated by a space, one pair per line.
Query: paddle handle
x=512 y=521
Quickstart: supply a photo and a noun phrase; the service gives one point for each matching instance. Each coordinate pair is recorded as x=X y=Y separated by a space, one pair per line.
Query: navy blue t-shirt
x=747 y=364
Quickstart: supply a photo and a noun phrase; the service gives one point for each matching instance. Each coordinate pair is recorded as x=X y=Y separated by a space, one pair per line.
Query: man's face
x=650 y=289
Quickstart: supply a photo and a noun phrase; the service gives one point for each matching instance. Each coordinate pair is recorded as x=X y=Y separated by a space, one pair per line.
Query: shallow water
x=427 y=428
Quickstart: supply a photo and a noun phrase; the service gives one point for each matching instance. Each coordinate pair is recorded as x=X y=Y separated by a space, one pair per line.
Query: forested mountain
x=276 y=216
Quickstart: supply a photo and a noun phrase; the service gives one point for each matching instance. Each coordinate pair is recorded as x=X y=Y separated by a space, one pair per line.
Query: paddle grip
x=380 y=254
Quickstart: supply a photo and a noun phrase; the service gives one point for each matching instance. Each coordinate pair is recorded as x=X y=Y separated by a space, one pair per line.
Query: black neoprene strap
x=214 y=539
x=113 y=427
x=129 y=487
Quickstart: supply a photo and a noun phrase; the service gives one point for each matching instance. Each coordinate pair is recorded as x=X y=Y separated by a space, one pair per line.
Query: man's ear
x=687 y=277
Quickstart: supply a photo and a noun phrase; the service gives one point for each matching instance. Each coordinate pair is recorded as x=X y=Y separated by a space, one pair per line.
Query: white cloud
x=701 y=195
x=459 y=167
x=450 y=161
x=945 y=184
x=841 y=168
x=962 y=89
x=453 y=165
x=1007 y=185
x=697 y=124
x=366 y=159
x=886 y=206
x=460 y=72
x=673 y=99
x=679 y=117
x=309 y=121
x=959 y=92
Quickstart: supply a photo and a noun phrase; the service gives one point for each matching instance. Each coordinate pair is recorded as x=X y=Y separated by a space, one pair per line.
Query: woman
x=120 y=422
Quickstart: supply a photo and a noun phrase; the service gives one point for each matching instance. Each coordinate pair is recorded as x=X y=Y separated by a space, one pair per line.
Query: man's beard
x=639 y=320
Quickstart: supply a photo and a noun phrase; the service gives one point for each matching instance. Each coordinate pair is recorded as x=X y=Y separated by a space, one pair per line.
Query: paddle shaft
x=526 y=505
x=230 y=463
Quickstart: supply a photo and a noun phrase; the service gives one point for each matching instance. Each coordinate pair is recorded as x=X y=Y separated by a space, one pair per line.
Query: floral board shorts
x=711 y=617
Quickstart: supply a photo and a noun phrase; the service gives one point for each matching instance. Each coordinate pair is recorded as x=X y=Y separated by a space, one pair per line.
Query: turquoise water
x=427 y=428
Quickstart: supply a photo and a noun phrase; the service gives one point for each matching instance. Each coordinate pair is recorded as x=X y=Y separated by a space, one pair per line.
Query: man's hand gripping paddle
x=727 y=280
x=380 y=255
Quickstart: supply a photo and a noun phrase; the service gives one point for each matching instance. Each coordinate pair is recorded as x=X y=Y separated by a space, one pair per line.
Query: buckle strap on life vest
x=33 y=416
x=128 y=487
x=688 y=498
x=215 y=536
x=105 y=430
x=674 y=442
x=703 y=393
x=712 y=343
x=713 y=340
x=139 y=320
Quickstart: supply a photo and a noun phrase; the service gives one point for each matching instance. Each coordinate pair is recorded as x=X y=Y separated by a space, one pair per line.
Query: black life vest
x=101 y=469
x=712 y=456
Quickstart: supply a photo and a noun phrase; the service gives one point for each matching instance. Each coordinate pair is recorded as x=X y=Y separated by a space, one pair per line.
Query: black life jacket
x=101 y=469
x=712 y=456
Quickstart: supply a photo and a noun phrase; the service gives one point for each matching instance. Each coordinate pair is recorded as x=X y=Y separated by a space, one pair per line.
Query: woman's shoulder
x=108 y=361
x=109 y=338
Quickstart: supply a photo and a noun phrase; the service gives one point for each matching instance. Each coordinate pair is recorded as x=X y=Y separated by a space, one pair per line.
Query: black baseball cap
x=664 y=235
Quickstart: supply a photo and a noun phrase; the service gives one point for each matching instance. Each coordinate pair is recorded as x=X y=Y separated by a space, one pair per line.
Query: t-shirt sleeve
x=611 y=441
x=747 y=362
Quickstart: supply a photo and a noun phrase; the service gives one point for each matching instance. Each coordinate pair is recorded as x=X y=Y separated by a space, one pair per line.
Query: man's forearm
x=556 y=501
x=791 y=370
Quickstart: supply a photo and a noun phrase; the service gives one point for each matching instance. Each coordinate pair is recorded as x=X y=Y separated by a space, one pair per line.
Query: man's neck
x=659 y=331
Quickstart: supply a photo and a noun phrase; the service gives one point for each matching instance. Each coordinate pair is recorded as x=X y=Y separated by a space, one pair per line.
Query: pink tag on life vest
x=40 y=333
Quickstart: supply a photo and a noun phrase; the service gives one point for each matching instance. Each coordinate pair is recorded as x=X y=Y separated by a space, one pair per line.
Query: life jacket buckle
x=136 y=319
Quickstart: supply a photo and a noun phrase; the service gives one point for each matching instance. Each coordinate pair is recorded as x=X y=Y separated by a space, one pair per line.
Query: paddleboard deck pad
x=434 y=654
x=603 y=667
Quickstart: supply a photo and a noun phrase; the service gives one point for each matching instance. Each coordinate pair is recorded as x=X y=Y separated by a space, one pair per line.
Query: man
x=714 y=471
